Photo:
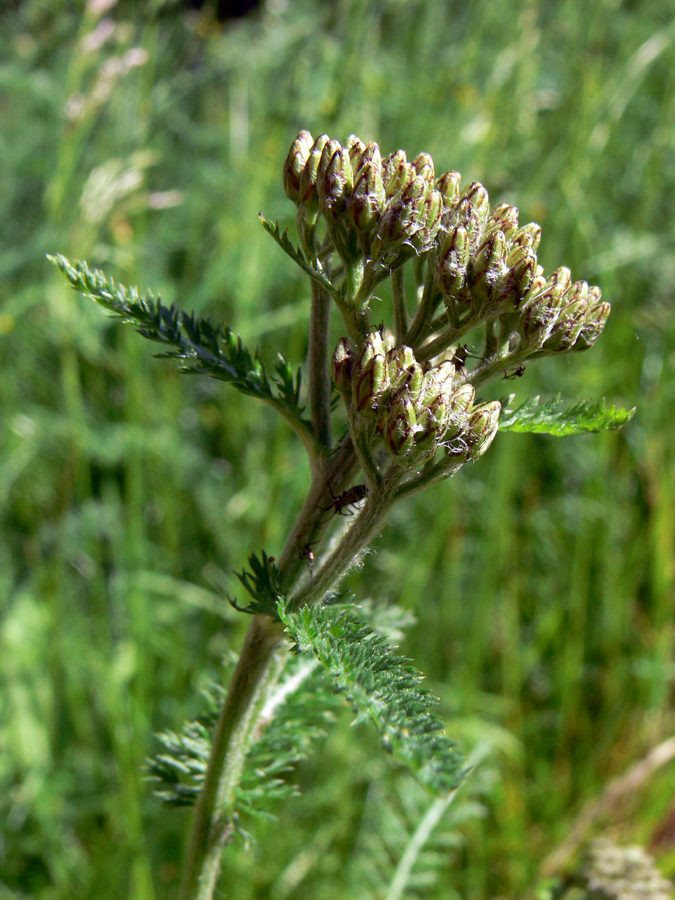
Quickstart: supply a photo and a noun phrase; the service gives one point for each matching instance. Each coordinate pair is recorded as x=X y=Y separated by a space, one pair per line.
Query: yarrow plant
x=462 y=273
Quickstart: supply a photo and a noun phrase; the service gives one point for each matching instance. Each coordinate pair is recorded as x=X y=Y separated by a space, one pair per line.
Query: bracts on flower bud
x=482 y=428
x=370 y=375
x=368 y=195
x=334 y=181
x=307 y=186
x=343 y=368
x=295 y=163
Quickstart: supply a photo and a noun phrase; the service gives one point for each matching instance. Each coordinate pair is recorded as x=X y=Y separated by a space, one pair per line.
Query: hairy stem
x=317 y=364
x=400 y=305
x=257 y=668
x=256 y=673
x=366 y=525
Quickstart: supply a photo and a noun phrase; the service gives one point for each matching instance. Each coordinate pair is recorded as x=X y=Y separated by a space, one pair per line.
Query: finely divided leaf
x=263 y=583
x=297 y=714
x=381 y=686
x=200 y=346
x=295 y=253
x=553 y=418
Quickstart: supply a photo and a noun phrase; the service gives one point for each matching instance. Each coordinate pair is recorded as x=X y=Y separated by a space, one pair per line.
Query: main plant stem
x=259 y=666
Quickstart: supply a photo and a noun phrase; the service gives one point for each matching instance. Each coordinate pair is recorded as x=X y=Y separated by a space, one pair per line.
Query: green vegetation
x=542 y=580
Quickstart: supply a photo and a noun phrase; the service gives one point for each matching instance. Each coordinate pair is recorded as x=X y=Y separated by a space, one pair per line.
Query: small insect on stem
x=516 y=373
x=460 y=356
x=307 y=553
x=350 y=497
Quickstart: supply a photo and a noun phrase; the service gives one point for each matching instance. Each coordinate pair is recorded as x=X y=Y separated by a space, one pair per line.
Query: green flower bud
x=448 y=184
x=431 y=422
x=567 y=328
x=438 y=380
x=453 y=259
x=424 y=238
x=391 y=163
x=460 y=404
x=295 y=163
x=334 y=181
x=596 y=317
x=343 y=367
x=522 y=268
x=373 y=346
x=355 y=146
x=408 y=382
x=483 y=426
x=505 y=219
x=369 y=377
x=368 y=195
x=472 y=212
x=399 y=359
x=397 y=179
x=307 y=188
x=368 y=385
x=424 y=166
x=528 y=236
x=400 y=426
x=488 y=269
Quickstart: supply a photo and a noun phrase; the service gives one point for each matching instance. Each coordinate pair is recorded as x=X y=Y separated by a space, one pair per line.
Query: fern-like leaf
x=296 y=254
x=553 y=418
x=263 y=583
x=381 y=686
x=201 y=347
x=295 y=716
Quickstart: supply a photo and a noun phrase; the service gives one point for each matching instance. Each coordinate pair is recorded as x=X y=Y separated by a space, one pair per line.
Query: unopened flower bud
x=482 y=428
x=391 y=163
x=334 y=180
x=355 y=146
x=528 y=236
x=399 y=359
x=438 y=380
x=424 y=238
x=448 y=184
x=307 y=189
x=596 y=317
x=408 y=382
x=343 y=366
x=472 y=212
x=505 y=219
x=453 y=259
x=489 y=269
x=424 y=166
x=567 y=328
x=396 y=180
x=399 y=430
x=368 y=194
x=460 y=403
x=295 y=163
x=431 y=422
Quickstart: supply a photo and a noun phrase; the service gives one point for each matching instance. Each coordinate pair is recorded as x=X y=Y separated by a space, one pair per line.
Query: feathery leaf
x=381 y=686
x=296 y=253
x=552 y=418
x=295 y=716
x=201 y=347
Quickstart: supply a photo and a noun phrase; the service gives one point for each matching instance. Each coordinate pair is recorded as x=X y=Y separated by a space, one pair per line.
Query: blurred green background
x=145 y=139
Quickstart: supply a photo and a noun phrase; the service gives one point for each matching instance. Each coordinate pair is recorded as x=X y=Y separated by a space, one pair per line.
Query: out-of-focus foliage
x=146 y=140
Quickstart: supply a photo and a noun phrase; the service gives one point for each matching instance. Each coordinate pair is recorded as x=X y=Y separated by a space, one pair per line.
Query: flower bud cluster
x=485 y=259
x=373 y=207
x=487 y=263
x=560 y=316
x=415 y=410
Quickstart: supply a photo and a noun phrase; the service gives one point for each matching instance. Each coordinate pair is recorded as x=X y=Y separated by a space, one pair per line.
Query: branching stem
x=317 y=364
